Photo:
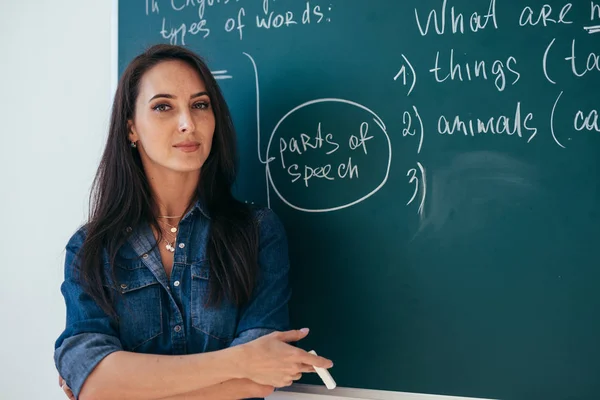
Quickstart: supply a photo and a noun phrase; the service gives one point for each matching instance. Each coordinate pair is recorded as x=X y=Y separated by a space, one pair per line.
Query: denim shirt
x=158 y=315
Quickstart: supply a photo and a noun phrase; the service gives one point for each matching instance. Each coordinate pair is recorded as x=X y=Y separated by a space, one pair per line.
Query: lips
x=187 y=146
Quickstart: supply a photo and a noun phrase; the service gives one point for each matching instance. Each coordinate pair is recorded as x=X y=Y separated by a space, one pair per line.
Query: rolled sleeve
x=78 y=355
x=267 y=310
x=89 y=335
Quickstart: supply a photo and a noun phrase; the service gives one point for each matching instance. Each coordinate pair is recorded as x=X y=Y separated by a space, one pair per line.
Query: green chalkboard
x=436 y=165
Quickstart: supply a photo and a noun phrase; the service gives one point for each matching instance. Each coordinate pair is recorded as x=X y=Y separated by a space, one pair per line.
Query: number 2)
x=406 y=131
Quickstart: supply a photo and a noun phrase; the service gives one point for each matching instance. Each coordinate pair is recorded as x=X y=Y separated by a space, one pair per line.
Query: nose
x=186 y=123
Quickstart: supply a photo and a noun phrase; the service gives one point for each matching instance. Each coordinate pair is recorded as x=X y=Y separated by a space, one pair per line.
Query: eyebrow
x=170 y=96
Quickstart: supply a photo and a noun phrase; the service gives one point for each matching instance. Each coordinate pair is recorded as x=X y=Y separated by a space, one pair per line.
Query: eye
x=201 y=105
x=161 y=107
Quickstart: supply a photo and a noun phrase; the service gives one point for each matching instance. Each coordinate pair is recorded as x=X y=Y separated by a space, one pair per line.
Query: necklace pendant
x=174 y=230
x=170 y=248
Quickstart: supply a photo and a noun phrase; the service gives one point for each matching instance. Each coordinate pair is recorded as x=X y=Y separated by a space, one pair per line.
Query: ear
x=133 y=136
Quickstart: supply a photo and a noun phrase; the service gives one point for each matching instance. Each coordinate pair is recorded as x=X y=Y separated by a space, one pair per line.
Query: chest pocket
x=138 y=304
x=218 y=322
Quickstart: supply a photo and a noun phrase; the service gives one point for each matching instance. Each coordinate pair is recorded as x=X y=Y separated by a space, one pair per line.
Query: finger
x=293 y=336
x=317 y=361
x=61 y=381
x=297 y=377
x=305 y=368
x=282 y=383
x=68 y=391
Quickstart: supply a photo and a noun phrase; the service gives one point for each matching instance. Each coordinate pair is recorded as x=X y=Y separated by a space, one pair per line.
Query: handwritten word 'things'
x=477 y=70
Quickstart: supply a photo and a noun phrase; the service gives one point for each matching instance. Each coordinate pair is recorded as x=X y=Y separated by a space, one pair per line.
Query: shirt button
x=177 y=328
x=181 y=245
x=176 y=283
x=123 y=286
x=128 y=229
x=145 y=255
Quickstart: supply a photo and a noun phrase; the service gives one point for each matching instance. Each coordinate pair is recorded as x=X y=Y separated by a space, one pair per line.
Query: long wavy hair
x=121 y=195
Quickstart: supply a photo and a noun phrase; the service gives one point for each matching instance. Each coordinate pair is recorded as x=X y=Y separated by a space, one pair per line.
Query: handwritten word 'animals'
x=501 y=125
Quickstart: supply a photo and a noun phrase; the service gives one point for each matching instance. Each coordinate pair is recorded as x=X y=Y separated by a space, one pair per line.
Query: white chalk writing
x=475 y=23
x=545 y=16
x=500 y=125
x=595 y=12
x=479 y=69
x=592 y=63
x=587 y=121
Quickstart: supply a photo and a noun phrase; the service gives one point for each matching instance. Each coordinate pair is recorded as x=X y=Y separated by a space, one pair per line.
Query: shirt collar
x=200 y=205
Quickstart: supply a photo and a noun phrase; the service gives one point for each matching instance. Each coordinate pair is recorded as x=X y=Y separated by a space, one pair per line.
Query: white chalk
x=324 y=375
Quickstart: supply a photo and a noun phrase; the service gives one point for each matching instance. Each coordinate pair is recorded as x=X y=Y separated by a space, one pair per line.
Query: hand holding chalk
x=324 y=375
x=271 y=360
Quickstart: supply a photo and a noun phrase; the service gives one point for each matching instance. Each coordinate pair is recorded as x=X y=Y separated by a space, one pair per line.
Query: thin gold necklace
x=173 y=228
x=170 y=245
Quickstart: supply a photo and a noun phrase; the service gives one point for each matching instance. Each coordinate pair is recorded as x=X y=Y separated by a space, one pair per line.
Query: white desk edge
x=303 y=392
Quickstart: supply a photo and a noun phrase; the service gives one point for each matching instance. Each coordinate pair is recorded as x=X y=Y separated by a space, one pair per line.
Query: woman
x=173 y=288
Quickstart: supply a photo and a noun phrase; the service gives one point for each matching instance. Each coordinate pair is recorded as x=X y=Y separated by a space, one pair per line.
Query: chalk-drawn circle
x=357 y=199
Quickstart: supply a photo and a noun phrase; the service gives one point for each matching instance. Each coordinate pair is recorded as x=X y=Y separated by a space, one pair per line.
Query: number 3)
x=413 y=178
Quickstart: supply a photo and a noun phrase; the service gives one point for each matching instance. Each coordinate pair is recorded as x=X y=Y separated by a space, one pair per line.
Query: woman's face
x=174 y=123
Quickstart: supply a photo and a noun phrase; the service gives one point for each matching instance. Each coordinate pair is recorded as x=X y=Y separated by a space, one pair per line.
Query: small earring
x=133 y=145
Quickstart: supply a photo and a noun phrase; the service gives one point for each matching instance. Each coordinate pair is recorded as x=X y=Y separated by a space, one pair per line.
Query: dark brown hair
x=121 y=196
